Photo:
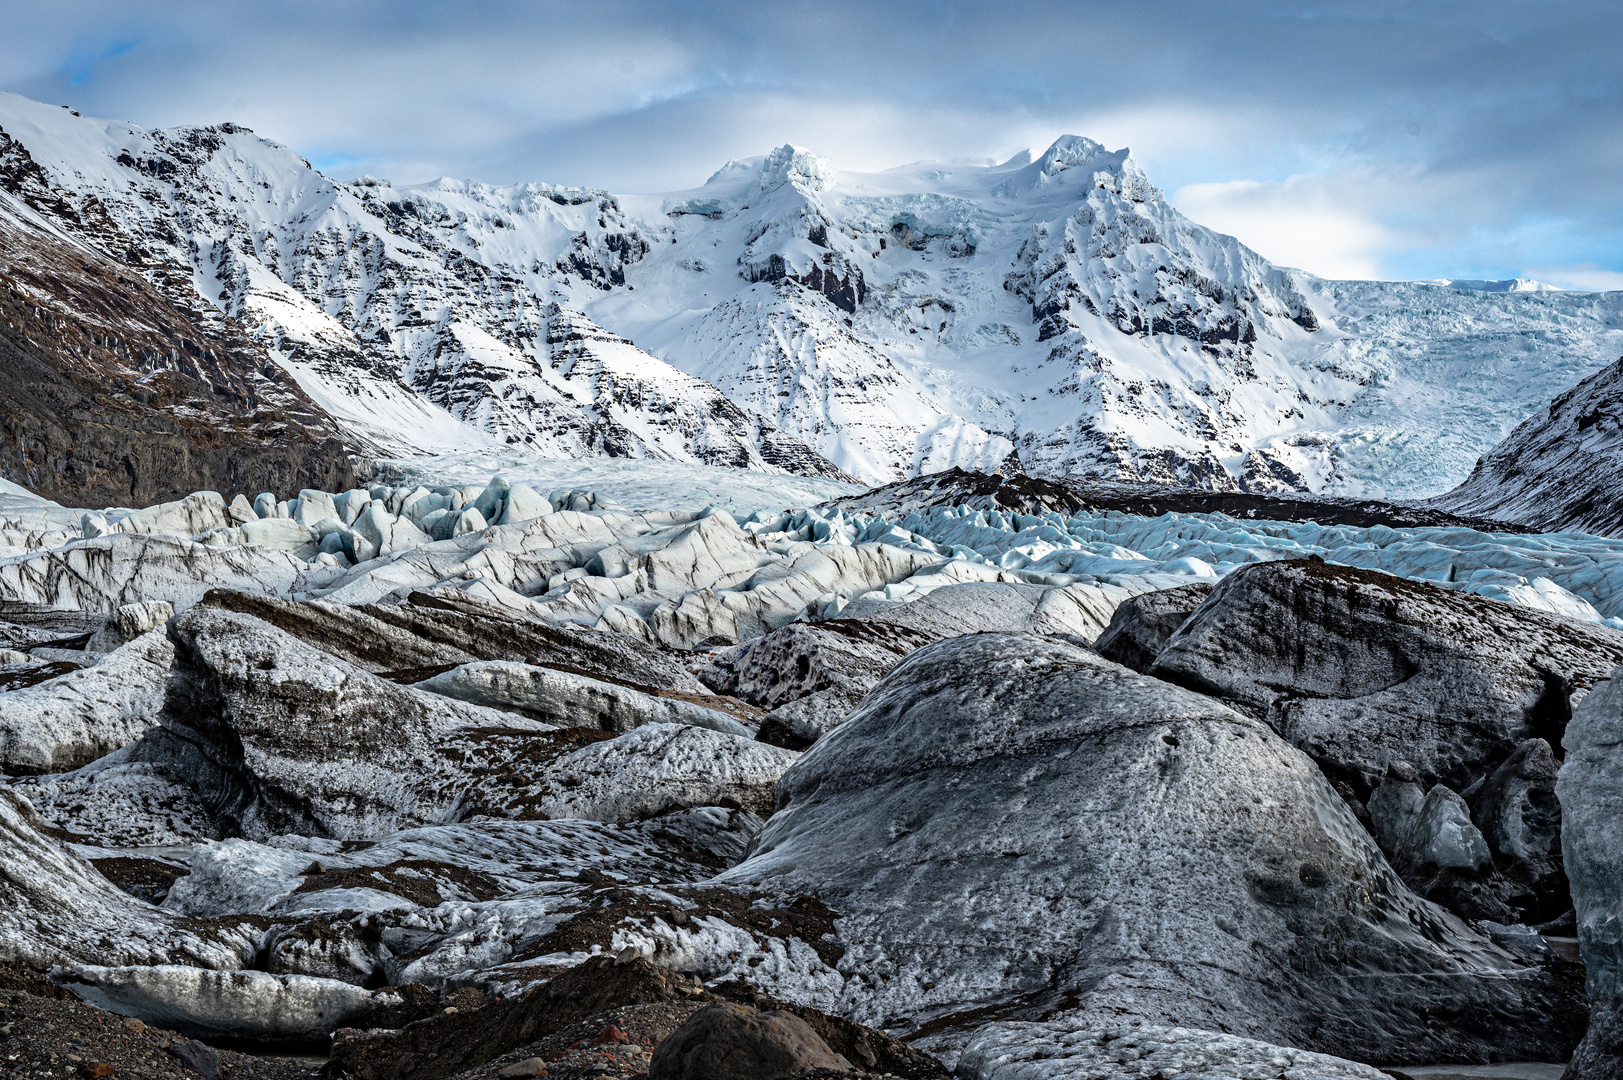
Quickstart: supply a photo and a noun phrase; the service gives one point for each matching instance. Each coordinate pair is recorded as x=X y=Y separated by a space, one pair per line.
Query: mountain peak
x=790 y=164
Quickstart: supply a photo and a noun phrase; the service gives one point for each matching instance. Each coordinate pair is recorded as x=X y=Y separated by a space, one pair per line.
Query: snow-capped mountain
x=791 y=316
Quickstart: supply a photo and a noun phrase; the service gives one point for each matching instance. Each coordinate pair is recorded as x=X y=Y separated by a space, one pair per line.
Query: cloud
x=1297 y=222
x=1585 y=277
x=1487 y=135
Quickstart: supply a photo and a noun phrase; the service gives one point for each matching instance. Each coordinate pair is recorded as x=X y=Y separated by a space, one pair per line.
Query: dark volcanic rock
x=1590 y=787
x=736 y=1042
x=1561 y=470
x=1030 y=495
x=1013 y=822
x=1360 y=669
x=1142 y=625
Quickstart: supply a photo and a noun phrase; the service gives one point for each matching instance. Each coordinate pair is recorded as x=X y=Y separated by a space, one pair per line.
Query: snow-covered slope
x=373 y=305
x=1561 y=470
x=792 y=317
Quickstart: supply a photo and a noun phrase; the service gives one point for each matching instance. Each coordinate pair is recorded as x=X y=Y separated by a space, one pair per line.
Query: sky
x=1416 y=139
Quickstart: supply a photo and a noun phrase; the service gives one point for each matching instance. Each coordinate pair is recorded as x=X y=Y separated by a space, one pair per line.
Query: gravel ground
x=615 y=1045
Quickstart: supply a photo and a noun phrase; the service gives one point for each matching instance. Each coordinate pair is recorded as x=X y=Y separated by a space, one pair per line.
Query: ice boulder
x=245 y=1004
x=1013 y=815
x=291 y=739
x=570 y=700
x=77 y=717
x=660 y=768
x=1360 y=668
x=55 y=908
x=1590 y=787
x=1057 y=1050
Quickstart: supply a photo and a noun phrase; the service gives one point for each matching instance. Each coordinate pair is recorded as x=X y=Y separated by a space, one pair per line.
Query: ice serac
x=107 y=572
x=75 y=718
x=1560 y=470
x=56 y=909
x=266 y=711
x=1012 y=820
x=1360 y=669
x=659 y=768
x=1590 y=787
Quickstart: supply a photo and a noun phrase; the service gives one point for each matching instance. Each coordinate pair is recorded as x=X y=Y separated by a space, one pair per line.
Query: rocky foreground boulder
x=1012 y=820
x=1360 y=669
x=1590 y=788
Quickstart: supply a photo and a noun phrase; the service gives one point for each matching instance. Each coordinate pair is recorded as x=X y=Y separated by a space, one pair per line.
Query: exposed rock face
x=78 y=717
x=1012 y=819
x=1590 y=787
x=1142 y=625
x=660 y=768
x=443 y=1045
x=117 y=388
x=1360 y=669
x=56 y=909
x=1558 y=471
x=266 y=713
x=736 y=1042
x=1060 y=1051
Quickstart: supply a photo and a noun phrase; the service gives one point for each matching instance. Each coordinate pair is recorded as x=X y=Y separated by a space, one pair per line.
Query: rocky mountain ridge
x=787 y=315
x=1559 y=470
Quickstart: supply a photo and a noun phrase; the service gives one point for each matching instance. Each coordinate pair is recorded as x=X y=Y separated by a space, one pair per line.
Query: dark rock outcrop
x=444 y=1045
x=736 y=1042
x=1560 y=470
x=1030 y=495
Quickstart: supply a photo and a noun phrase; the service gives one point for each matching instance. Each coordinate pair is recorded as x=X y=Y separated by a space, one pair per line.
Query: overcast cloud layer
x=1410 y=139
